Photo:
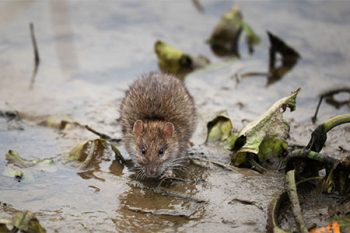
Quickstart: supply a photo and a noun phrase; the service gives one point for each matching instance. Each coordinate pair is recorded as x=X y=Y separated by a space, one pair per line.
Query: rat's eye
x=161 y=151
x=143 y=150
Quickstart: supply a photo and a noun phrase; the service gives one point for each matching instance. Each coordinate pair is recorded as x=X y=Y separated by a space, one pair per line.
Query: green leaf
x=46 y=165
x=271 y=147
x=14 y=172
x=23 y=169
x=174 y=61
x=27 y=222
x=270 y=124
x=13 y=157
x=219 y=128
x=225 y=36
x=170 y=58
x=252 y=39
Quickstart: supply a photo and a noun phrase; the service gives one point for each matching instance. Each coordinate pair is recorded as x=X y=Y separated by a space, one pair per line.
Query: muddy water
x=90 y=52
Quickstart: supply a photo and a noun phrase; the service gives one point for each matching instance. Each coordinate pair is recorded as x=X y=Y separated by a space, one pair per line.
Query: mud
x=91 y=52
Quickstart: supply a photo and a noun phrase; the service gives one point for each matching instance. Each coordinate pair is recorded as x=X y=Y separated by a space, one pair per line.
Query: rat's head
x=156 y=146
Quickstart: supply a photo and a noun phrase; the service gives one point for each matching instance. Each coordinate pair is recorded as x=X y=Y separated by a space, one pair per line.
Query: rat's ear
x=168 y=129
x=138 y=128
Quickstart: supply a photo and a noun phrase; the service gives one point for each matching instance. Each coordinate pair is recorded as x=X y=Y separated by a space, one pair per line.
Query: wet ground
x=90 y=52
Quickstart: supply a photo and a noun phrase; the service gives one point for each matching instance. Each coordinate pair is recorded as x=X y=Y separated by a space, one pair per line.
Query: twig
x=253 y=73
x=165 y=212
x=256 y=166
x=198 y=5
x=328 y=94
x=294 y=200
x=273 y=213
x=36 y=55
x=246 y=202
x=101 y=135
x=219 y=164
x=304 y=153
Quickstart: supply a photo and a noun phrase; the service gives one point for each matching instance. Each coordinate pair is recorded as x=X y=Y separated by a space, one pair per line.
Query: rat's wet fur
x=158 y=118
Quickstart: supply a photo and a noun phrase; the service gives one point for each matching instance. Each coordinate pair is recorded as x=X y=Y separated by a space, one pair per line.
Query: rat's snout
x=152 y=171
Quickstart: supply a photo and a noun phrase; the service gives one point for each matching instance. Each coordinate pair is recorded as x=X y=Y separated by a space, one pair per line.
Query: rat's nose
x=152 y=171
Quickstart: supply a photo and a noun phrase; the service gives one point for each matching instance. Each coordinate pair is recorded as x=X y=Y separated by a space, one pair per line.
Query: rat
x=158 y=118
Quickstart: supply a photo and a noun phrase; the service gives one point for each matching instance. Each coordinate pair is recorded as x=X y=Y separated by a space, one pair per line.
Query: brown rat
x=158 y=118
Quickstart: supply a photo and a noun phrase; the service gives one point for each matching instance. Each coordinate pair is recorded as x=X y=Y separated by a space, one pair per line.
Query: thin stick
x=36 y=55
x=198 y=5
x=328 y=94
x=222 y=165
x=101 y=135
x=294 y=200
x=178 y=195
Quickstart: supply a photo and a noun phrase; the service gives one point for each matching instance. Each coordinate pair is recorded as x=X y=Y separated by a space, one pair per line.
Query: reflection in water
x=92 y=156
x=116 y=168
x=36 y=55
x=61 y=24
x=198 y=6
x=11 y=10
x=156 y=208
x=161 y=208
x=90 y=174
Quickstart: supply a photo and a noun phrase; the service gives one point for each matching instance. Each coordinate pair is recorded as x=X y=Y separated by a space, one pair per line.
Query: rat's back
x=159 y=97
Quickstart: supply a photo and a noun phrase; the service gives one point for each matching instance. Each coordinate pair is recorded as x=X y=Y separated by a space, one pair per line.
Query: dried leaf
x=220 y=128
x=270 y=124
x=333 y=227
x=289 y=57
x=57 y=122
x=27 y=222
x=343 y=223
x=92 y=152
x=4 y=229
x=319 y=135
